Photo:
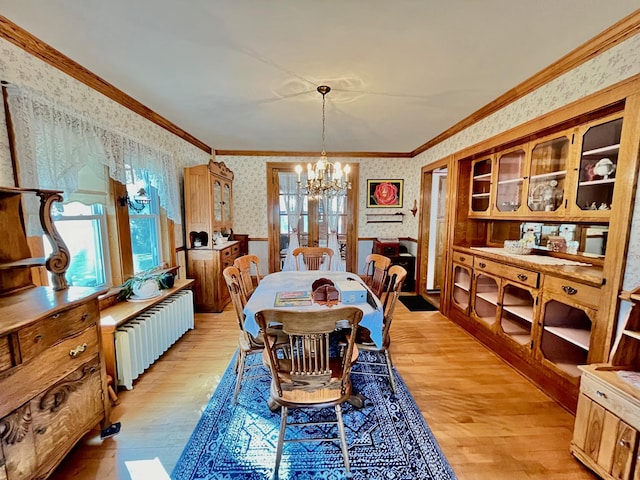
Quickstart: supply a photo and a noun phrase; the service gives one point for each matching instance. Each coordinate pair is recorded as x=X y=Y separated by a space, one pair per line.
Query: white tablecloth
x=264 y=297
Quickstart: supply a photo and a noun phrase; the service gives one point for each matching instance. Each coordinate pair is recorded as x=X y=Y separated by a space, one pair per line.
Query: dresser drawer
x=28 y=379
x=235 y=249
x=602 y=394
x=463 y=258
x=572 y=291
x=41 y=335
x=515 y=274
x=6 y=359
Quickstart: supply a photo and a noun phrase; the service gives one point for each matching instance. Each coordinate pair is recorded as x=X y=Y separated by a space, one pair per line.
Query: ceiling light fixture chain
x=324 y=178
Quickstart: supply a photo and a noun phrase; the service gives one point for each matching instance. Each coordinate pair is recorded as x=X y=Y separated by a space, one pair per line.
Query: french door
x=316 y=220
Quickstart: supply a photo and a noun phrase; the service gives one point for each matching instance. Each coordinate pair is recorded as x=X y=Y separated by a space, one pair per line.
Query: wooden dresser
x=52 y=372
x=205 y=265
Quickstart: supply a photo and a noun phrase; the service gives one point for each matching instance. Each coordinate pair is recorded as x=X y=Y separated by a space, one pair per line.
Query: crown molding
x=34 y=46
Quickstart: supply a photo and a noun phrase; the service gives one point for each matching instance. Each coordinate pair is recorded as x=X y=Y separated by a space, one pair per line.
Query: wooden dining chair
x=395 y=278
x=247 y=263
x=314 y=375
x=247 y=343
x=375 y=272
x=313 y=257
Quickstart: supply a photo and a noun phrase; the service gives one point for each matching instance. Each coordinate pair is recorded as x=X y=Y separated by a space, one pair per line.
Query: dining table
x=265 y=295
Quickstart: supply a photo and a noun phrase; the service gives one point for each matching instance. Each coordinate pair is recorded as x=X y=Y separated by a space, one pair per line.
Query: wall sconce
x=140 y=200
x=414 y=210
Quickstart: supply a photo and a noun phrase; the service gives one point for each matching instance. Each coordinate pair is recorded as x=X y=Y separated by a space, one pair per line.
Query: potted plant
x=146 y=284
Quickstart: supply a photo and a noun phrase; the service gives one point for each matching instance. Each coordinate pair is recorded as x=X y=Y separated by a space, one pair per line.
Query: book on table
x=293 y=299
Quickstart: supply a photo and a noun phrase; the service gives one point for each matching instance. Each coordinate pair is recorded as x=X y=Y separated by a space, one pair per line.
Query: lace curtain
x=62 y=149
x=293 y=202
x=333 y=207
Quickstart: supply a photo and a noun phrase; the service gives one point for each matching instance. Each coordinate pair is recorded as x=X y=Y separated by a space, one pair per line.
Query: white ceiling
x=242 y=74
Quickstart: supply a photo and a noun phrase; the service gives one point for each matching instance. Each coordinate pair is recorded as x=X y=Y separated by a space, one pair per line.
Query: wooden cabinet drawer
x=28 y=379
x=572 y=291
x=6 y=359
x=235 y=249
x=516 y=274
x=463 y=258
x=604 y=395
x=41 y=335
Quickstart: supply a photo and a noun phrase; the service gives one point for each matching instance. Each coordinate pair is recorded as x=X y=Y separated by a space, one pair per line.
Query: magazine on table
x=293 y=298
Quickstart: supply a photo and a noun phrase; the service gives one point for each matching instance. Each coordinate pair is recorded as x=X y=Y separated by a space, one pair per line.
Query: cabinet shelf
x=486 y=177
x=511 y=180
x=461 y=286
x=597 y=151
x=27 y=262
x=577 y=336
x=632 y=334
x=597 y=182
x=480 y=195
x=520 y=311
x=490 y=297
x=559 y=173
x=512 y=300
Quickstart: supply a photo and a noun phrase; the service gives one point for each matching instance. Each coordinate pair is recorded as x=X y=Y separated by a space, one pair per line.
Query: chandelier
x=324 y=178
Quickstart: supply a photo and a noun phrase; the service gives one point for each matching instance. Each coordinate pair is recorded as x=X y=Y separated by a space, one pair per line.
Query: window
x=82 y=227
x=144 y=222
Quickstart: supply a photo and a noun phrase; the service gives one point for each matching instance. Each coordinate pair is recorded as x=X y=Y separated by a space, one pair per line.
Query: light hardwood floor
x=491 y=423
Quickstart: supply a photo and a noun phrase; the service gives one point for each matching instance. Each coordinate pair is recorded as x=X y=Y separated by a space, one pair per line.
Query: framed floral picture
x=384 y=193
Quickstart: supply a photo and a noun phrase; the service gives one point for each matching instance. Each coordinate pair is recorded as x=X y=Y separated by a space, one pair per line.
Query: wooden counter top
x=592 y=275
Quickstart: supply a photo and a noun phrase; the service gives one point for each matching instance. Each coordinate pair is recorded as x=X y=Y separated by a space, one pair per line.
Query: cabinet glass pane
x=566 y=335
x=227 y=202
x=461 y=287
x=217 y=201
x=485 y=302
x=517 y=314
x=598 y=162
x=510 y=181
x=547 y=176
x=481 y=186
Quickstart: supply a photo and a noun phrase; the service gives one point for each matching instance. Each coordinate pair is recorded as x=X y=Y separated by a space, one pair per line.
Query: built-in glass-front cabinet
x=481 y=187
x=599 y=146
x=571 y=172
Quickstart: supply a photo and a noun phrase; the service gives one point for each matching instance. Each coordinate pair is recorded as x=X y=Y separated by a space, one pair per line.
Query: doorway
x=433 y=237
x=315 y=220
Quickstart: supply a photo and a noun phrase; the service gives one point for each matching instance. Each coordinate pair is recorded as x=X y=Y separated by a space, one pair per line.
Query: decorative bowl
x=516 y=247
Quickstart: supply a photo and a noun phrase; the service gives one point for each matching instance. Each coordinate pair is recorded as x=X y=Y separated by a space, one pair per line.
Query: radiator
x=142 y=340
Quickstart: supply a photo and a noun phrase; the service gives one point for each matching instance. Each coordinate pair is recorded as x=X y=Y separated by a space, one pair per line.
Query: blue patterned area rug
x=388 y=438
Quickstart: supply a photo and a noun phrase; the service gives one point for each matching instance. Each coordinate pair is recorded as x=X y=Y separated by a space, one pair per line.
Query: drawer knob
x=569 y=290
x=522 y=277
x=38 y=338
x=78 y=350
x=482 y=264
x=85 y=315
x=40 y=430
x=624 y=443
x=462 y=259
x=601 y=394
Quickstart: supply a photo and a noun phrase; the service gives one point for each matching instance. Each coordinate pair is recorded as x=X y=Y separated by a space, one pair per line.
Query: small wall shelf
x=397 y=217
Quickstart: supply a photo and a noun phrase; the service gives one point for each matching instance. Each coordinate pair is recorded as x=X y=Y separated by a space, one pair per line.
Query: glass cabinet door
x=516 y=317
x=485 y=300
x=461 y=292
x=481 y=186
x=217 y=202
x=547 y=175
x=566 y=335
x=511 y=178
x=226 y=203
x=597 y=170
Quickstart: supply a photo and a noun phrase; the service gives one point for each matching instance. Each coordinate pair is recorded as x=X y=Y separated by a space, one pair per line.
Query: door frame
x=273 y=214
x=426 y=177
